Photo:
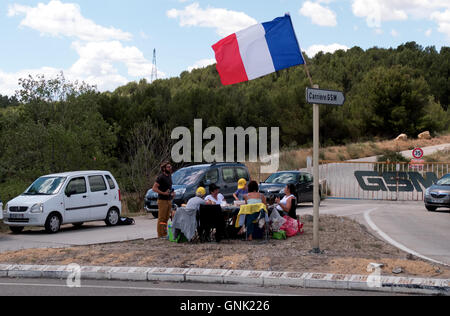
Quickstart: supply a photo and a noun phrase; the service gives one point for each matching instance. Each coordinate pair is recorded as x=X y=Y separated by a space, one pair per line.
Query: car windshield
x=187 y=176
x=445 y=180
x=282 y=178
x=46 y=186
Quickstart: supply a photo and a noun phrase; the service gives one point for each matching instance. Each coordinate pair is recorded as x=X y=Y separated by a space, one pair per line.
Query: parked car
x=1 y=209
x=187 y=180
x=438 y=195
x=274 y=186
x=66 y=198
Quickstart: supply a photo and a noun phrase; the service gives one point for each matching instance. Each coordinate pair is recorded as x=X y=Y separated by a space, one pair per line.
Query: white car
x=66 y=198
x=1 y=210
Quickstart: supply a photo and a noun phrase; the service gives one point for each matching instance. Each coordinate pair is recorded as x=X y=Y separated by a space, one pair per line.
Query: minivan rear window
x=112 y=186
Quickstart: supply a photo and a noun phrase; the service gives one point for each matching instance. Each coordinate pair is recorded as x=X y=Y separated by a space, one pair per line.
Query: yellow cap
x=201 y=191
x=242 y=183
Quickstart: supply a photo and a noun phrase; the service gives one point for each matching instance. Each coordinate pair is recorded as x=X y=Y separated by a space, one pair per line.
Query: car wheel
x=78 y=225
x=155 y=214
x=53 y=224
x=431 y=208
x=16 y=229
x=113 y=217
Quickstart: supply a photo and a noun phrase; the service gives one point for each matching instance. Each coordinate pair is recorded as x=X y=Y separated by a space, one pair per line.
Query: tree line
x=52 y=125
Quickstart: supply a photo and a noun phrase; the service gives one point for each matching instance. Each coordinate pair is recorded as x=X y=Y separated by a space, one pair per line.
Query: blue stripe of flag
x=283 y=44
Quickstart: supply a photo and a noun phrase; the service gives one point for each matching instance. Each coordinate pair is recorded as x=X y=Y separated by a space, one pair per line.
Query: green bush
x=392 y=156
x=12 y=188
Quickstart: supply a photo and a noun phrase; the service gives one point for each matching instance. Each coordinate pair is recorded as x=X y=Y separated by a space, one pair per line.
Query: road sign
x=327 y=97
x=417 y=164
x=418 y=153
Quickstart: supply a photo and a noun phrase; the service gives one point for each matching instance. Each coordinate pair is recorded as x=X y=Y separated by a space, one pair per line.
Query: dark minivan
x=187 y=180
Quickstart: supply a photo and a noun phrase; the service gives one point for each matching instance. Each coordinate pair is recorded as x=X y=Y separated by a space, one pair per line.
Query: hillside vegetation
x=54 y=125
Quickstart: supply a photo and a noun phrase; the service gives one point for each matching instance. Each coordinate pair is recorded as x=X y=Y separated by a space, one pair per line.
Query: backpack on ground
x=123 y=221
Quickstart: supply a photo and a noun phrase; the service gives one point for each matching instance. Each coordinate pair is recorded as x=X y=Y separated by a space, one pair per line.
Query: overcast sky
x=109 y=43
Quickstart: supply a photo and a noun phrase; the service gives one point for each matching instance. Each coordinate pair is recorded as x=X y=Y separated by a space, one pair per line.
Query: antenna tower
x=154 y=75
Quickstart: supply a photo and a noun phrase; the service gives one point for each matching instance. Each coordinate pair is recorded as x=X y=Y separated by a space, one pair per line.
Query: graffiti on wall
x=395 y=181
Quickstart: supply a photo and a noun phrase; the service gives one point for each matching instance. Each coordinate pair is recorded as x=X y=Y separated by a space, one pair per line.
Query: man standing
x=163 y=186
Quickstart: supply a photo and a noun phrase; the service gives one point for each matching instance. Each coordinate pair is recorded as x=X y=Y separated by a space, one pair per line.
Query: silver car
x=438 y=195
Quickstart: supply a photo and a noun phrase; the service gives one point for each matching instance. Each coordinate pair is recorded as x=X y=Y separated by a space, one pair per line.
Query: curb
x=400 y=285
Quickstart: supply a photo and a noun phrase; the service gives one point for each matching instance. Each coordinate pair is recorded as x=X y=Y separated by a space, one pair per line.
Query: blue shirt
x=241 y=193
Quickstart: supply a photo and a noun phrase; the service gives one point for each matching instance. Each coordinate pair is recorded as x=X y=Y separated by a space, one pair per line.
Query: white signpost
x=327 y=97
x=315 y=96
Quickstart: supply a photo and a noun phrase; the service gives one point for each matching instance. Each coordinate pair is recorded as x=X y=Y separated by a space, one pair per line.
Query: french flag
x=258 y=51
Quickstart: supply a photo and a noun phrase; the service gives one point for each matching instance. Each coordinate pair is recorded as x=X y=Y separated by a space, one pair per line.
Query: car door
x=99 y=196
x=229 y=182
x=309 y=187
x=211 y=176
x=113 y=190
x=76 y=201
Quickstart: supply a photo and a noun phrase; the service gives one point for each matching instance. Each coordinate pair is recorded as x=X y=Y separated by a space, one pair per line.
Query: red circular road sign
x=418 y=153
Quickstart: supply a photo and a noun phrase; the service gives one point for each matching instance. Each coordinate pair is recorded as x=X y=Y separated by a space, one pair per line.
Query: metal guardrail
x=379 y=180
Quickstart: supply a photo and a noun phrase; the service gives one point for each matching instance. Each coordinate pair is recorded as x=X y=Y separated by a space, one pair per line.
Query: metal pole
x=316 y=139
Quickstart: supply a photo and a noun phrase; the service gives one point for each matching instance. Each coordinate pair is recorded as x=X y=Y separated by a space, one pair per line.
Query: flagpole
x=307 y=72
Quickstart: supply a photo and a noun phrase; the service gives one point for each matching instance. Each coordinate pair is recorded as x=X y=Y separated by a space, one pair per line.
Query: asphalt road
x=407 y=225
x=88 y=234
x=43 y=287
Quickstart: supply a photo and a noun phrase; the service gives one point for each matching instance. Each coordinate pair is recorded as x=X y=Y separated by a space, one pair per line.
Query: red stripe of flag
x=229 y=61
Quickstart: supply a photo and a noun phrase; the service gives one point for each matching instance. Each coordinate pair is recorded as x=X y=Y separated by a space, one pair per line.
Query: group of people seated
x=248 y=194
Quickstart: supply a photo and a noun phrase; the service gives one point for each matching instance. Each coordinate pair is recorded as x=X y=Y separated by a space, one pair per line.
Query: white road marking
x=392 y=241
x=145 y=289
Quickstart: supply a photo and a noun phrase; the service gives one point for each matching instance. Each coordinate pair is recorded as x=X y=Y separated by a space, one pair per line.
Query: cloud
x=318 y=14
x=97 y=65
x=378 y=11
x=100 y=49
x=314 y=49
x=64 y=19
x=224 y=21
x=443 y=20
x=97 y=58
x=394 y=33
x=202 y=64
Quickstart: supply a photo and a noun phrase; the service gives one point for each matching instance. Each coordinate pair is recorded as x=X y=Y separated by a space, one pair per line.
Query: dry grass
x=348 y=248
x=296 y=159
x=3 y=228
x=132 y=205
x=440 y=156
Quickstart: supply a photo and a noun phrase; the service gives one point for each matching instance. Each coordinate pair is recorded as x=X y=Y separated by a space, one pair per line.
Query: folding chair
x=211 y=217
